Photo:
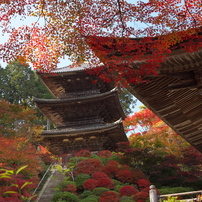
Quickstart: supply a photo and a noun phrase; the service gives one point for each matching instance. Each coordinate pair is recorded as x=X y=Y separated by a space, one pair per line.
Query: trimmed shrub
x=171 y=190
x=109 y=196
x=126 y=199
x=89 y=166
x=90 y=184
x=142 y=183
x=70 y=188
x=105 y=154
x=128 y=190
x=62 y=185
x=111 y=168
x=100 y=190
x=106 y=182
x=80 y=179
x=125 y=176
x=99 y=175
x=83 y=153
x=86 y=193
x=66 y=196
x=91 y=198
x=142 y=196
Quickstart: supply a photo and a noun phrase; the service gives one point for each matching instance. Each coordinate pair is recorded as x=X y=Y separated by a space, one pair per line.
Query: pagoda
x=86 y=112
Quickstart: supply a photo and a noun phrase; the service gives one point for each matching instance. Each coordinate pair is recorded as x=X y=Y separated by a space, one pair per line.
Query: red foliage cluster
x=70 y=188
x=142 y=196
x=89 y=166
x=105 y=154
x=128 y=190
x=111 y=168
x=125 y=176
x=106 y=182
x=143 y=183
x=83 y=153
x=90 y=184
x=109 y=196
x=99 y=175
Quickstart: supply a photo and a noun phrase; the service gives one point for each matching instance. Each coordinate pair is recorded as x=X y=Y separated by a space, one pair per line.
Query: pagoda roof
x=95 y=128
x=74 y=82
x=61 y=112
x=93 y=138
x=175 y=94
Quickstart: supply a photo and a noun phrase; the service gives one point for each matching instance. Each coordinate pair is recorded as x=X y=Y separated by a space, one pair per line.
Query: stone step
x=48 y=190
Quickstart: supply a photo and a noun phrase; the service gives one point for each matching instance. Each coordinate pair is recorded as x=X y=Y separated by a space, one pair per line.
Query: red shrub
x=70 y=188
x=111 y=168
x=89 y=166
x=109 y=196
x=128 y=190
x=83 y=153
x=105 y=154
x=125 y=176
x=142 y=183
x=99 y=175
x=142 y=196
x=106 y=182
x=90 y=184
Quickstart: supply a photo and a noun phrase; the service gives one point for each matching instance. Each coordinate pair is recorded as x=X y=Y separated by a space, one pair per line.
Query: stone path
x=48 y=190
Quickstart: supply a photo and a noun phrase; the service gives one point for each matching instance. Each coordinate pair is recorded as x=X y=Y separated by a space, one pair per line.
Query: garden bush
x=100 y=190
x=128 y=190
x=90 y=184
x=109 y=196
x=86 y=193
x=126 y=199
x=99 y=175
x=66 y=196
x=80 y=179
x=89 y=166
x=91 y=198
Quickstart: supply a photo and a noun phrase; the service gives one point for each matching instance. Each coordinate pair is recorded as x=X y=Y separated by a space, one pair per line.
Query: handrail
x=154 y=197
x=41 y=180
x=181 y=194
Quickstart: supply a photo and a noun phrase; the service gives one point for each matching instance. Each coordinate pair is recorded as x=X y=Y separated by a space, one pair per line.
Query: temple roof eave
x=73 y=132
x=81 y=99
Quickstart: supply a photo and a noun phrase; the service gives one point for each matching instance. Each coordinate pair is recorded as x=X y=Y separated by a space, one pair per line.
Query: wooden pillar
x=153 y=197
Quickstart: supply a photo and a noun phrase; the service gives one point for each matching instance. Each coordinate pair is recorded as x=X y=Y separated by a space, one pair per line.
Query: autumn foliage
x=74 y=28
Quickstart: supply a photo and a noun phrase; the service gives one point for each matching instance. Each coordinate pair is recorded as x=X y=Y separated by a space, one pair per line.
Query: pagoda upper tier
x=70 y=82
x=86 y=112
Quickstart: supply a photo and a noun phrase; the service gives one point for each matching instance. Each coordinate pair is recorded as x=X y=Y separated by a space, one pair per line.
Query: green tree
x=128 y=101
x=19 y=83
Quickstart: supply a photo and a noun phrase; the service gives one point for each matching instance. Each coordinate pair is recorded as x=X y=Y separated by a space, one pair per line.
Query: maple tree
x=144 y=125
x=72 y=28
x=159 y=152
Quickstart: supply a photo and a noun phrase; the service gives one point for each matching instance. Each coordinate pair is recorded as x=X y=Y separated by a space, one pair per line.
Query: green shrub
x=86 y=193
x=91 y=198
x=99 y=190
x=172 y=190
x=65 y=196
x=80 y=179
x=63 y=184
x=118 y=187
x=116 y=182
x=126 y=199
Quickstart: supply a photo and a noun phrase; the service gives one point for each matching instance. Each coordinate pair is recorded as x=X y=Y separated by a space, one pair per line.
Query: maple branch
x=121 y=17
x=187 y=9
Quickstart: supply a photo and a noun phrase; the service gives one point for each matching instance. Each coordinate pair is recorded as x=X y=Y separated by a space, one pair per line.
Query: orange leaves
x=153 y=133
x=65 y=25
